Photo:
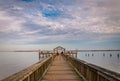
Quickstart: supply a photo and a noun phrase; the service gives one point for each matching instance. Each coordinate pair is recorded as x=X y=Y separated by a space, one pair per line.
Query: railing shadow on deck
x=32 y=73
x=90 y=72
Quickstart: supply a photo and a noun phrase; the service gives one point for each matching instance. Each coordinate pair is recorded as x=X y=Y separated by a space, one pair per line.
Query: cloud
x=8 y=23
x=43 y=21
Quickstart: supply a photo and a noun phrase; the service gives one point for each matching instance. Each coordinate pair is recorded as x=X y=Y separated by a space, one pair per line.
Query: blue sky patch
x=81 y=23
x=51 y=14
x=27 y=0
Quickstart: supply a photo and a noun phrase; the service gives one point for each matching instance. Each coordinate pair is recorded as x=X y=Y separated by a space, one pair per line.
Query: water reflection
x=110 y=55
x=12 y=62
x=118 y=56
x=103 y=54
x=92 y=54
x=108 y=59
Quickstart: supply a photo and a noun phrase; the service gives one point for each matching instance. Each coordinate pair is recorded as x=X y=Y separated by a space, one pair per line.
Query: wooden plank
x=60 y=70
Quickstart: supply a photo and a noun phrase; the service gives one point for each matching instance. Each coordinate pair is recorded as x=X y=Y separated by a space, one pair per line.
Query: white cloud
x=9 y=23
x=83 y=21
x=92 y=18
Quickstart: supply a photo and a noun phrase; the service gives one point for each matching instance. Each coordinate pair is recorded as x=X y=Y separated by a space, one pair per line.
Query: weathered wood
x=92 y=72
x=44 y=54
x=32 y=73
x=60 y=70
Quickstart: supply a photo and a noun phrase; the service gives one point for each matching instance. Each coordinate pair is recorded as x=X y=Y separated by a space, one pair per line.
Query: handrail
x=32 y=73
x=91 y=72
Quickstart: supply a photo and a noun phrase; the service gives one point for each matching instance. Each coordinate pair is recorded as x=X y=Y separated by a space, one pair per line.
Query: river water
x=106 y=59
x=12 y=62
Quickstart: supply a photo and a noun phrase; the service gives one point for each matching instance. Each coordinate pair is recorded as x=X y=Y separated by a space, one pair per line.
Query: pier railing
x=32 y=73
x=91 y=72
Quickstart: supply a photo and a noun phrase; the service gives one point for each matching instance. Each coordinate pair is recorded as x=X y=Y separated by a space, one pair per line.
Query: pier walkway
x=63 y=67
x=60 y=70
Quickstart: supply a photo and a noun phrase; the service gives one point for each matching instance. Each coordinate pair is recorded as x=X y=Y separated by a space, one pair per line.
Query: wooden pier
x=60 y=70
x=63 y=67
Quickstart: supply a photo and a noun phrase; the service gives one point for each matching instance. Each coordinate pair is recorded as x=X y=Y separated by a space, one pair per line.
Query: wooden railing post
x=91 y=72
x=32 y=73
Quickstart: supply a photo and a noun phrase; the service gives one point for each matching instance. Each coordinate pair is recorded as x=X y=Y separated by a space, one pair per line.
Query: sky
x=73 y=24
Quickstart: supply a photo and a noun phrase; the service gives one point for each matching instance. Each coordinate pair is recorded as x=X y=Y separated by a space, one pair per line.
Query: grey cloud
x=81 y=20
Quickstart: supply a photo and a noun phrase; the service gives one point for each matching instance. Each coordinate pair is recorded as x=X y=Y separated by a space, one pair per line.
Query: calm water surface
x=109 y=59
x=12 y=62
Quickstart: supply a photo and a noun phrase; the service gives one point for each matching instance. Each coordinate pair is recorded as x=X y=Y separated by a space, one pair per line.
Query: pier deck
x=57 y=68
x=60 y=70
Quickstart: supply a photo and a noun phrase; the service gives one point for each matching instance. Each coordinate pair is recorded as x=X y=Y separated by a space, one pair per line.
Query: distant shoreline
x=21 y=51
x=95 y=50
x=51 y=50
